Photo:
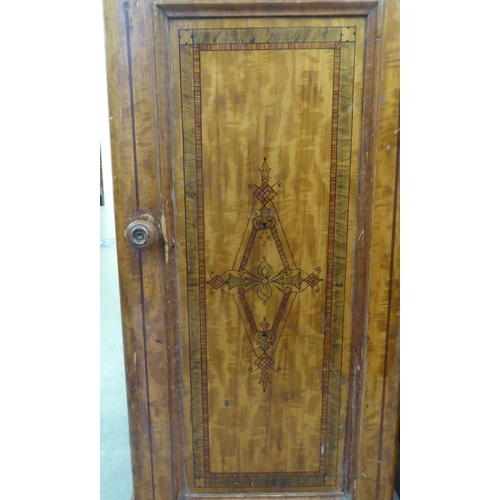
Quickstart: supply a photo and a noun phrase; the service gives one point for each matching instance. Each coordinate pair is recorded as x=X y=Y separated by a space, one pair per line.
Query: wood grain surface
x=133 y=127
x=377 y=438
x=302 y=124
x=256 y=349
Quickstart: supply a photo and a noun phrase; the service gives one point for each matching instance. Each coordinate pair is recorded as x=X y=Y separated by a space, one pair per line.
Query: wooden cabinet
x=255 y=158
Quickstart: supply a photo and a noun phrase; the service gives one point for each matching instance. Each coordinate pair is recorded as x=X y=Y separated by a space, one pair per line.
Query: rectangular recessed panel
x=268 y=128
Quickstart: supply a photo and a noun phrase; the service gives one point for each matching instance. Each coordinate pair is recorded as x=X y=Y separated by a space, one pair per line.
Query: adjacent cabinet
x=255 y=150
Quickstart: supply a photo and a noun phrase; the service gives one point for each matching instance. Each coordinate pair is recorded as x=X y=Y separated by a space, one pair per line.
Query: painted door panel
x=245 y=138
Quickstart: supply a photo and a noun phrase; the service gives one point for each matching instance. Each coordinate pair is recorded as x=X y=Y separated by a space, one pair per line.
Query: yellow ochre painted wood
x=261 y=332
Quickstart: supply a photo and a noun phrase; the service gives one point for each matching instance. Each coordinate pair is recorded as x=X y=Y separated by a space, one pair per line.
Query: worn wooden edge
x=189 y=9
x=362 y=251
x=391 y=407
x=169 y=220
x=134 y=148
x=136 y=391
x=271 y=496
x=374 y=470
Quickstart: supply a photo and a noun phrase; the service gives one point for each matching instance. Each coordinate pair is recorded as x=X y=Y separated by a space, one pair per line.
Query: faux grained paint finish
x=173 y=410
x=292 y=102
x=246 y=114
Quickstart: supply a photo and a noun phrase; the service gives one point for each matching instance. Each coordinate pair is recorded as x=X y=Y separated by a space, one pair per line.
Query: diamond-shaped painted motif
x=216 y=282
x=265 y=362
x=265 y=193
x=263 y=280
x=312 y=280
x=264 y=237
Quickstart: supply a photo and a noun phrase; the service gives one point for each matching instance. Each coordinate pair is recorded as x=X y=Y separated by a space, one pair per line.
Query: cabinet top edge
x=260 y=8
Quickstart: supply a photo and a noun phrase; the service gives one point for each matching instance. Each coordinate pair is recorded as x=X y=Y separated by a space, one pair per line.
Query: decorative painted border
x=190 y=49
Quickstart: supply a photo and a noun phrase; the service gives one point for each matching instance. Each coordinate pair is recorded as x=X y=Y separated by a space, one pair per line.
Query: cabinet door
x=255 y=151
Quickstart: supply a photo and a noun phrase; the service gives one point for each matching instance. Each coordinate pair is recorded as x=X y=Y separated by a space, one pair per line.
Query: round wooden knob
x=141 y=234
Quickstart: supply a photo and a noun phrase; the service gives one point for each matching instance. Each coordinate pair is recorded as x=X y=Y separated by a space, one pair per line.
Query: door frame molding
x=142 y=172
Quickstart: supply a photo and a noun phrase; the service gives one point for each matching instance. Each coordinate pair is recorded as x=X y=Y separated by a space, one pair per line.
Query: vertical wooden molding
x=129 y=270
x=374 y=474
x=131 y=72
x=169 y=222
x=362 y=252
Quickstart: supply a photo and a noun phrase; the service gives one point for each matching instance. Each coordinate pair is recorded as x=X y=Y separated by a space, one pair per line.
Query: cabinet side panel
x=133 y=121
x=375 y=471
